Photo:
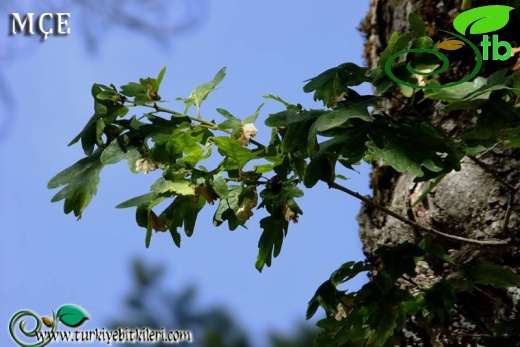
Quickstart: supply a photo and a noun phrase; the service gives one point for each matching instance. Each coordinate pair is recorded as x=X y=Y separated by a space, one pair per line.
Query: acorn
x=47 y=321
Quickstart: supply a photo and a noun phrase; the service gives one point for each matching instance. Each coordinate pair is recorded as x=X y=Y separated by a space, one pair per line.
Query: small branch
x=512 y=190
x=463 y=332
x=417 y=225
x=256 y=143
x=510 y=202
x=175 y=113
x=489 y=296
x=408 y=279
x=492 y=173
x=478 y=324
x=208 y=124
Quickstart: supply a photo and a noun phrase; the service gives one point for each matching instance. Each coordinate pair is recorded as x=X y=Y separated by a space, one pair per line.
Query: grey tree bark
x=472 y=203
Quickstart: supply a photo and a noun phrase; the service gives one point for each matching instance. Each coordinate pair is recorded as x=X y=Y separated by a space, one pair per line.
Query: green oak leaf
x=483 y=19
x=338 y=117
x=133 y=89
x=321 y=167
x=420 y=149
x=496 y=122
x=80 y=181
x=228 y=208
x=182 y=212
x=494 y=275
x=417 y=24
x=270 y=243
x=153 y=84
x=280 y=100
x=146 y=91
x=106 y=111
x=383 y=324
x=231 y=122
x=71 y=315
x=144 y=199
x=114 y=153
x=147 y=218
x=333 y=83
x=347 y=271
x=201 y=92
x=325 y=297
x=458 y=92
x=400 y=259
x=512 y=137
x=349 y=142
x=290 y=190
x=183 y=187
x=234 y=150
x=88 y=135
x=440 y=298
x=220 y=186
x=396 y=44
x=295 y=140
x=252 y=118
x=291 y=116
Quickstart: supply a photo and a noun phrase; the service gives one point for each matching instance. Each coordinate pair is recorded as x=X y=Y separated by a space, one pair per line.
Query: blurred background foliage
x=150 y=304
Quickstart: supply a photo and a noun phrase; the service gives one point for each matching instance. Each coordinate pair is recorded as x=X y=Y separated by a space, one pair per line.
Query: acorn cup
x=47 y=321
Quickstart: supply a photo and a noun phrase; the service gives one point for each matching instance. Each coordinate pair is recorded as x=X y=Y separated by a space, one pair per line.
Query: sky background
x=48 y=259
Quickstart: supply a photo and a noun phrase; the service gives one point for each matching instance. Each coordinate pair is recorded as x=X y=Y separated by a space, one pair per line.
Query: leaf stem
x=175 y=113
x=418 y=226
x=209 y=124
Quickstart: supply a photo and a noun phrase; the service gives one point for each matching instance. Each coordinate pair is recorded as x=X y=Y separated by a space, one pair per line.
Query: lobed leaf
x=330 y=85
x=417 y=24
x=419 y=149
x=270 y=243
x=80 y=181
x=182 y=212
x=493 y=274
x=201 y=92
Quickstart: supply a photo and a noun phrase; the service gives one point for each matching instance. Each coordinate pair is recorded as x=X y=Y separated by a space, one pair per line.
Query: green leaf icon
x=71 y=315
x=484 y=19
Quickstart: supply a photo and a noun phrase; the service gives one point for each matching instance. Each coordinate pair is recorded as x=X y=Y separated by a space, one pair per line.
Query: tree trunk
x=471 y=202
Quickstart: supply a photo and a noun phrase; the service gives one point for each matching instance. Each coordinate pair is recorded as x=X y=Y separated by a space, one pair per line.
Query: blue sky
x=48 y=259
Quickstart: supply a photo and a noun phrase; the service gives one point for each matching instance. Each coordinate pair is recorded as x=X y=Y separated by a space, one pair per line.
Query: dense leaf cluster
x=305 y=147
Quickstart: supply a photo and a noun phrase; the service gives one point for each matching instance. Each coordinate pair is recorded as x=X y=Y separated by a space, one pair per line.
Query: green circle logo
x=479 y=20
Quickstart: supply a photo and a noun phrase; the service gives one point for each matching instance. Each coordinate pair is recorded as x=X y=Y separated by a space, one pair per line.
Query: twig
x=492 y=173
x=512 y=190
x=489 y=296
x=417 y=225
x=408 y=279
x=210 y=125
x=510 y=202
x=475 y=335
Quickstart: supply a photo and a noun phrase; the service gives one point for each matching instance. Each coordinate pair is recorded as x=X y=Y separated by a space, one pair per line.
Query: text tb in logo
x=495 y=45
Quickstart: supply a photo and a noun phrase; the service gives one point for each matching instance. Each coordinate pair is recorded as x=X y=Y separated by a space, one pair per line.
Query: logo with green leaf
x=70 y=315
x=421 y=64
